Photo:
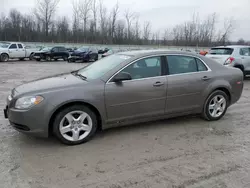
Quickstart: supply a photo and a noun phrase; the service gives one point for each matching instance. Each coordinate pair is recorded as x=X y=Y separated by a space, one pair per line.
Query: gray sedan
x=124 y=88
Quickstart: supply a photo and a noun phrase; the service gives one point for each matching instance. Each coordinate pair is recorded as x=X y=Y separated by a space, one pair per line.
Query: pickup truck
x=14 y=50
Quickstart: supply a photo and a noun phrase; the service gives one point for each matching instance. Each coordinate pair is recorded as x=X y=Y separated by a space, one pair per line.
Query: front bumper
x=26 y=121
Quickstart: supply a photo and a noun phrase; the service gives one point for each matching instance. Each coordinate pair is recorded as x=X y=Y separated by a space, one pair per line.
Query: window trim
x=164 y=65
x=162 y=70
x=208 y=68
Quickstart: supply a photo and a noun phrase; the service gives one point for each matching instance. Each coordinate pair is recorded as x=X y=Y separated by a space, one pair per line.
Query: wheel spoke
x=211 y=106
x=85 y=127
x=82 y=117
x=69 y=117
x=214 y=113
x=75 y=135
x=65 y=129
x=221 y=101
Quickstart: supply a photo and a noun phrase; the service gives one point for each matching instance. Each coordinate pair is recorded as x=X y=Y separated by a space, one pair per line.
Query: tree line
x=94 y=23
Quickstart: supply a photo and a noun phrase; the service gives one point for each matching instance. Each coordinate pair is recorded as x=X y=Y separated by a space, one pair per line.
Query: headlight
x=27 y=102
x=9 y=97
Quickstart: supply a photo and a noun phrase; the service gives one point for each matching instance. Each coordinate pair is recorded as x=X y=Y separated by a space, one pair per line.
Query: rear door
x=220 y=54
x=13 y=51
x=245 y=56
x=187 y=78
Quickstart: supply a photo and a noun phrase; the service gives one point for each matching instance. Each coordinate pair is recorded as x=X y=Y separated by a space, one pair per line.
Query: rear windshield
x=221 y=51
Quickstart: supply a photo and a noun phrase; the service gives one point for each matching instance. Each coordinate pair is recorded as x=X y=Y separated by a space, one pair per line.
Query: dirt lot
x=182 y=152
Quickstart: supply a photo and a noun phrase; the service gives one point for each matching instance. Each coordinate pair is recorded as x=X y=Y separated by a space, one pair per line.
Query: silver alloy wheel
x=75 y=125
x=217 y=106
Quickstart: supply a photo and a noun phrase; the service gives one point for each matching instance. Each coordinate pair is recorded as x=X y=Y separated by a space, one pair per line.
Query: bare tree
x=146 y=31
x=45 y=11
x=85 y=9
x=94 y=11
x=228 y=29
x=137 y=29
x=129 y=16
x=103 y=20
x=114 y=14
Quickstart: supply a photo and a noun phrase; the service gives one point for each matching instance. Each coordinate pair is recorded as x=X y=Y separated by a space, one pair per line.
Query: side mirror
x=122 y=76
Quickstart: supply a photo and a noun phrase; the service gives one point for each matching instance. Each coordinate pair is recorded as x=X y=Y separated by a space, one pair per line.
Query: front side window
x=184 y=64
x=245 y=51
x=13 y=46
x=145 y=68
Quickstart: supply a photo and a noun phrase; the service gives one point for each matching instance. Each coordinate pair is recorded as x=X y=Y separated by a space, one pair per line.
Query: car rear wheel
x=75 y=125
x=215 y=106
x=4 y=57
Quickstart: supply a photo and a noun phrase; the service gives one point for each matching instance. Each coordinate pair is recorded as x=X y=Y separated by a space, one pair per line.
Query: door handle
x=242 y=57
x=157 y=84
x=205 y=78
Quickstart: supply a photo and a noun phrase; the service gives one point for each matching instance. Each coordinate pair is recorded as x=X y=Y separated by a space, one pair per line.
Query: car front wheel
x=75 y=125
x=215 y=106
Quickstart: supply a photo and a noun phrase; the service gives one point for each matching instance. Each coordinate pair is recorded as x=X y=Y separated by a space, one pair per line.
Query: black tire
x=31 y=57
x=38 y=59
x=65 y=58
x=48 y=58
x=65 y=111
x=205 y=114
x=4 y=57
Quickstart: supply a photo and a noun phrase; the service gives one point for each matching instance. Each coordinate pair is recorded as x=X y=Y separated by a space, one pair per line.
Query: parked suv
x=55 y=53
x=235 y=56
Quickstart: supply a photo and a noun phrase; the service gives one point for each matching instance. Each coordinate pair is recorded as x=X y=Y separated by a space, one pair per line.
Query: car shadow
x=140 y=128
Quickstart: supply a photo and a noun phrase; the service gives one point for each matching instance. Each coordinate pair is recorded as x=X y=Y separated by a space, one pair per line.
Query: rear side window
x=20 y=46
x=13 y=46
x=221 y=51
x=200 y=65
x=245 y=51
x=184 y=64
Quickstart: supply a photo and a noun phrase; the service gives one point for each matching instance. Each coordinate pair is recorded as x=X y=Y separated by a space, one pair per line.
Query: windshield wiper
x=79 y=75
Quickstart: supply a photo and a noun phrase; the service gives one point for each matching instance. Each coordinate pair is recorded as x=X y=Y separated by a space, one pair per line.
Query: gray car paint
x=132 y=101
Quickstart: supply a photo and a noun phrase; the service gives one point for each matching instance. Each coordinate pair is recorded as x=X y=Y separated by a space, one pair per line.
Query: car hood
x=60 y=81
x=78 y=52
x=3 y=49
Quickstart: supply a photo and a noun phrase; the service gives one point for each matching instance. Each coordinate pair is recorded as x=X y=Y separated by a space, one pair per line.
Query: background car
x=54 y=53
x=84 y=54
x=235 y=56
x=121 y=89
x=103 y=50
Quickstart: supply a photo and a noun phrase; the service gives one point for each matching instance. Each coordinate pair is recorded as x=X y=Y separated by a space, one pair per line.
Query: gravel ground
x=176 y=153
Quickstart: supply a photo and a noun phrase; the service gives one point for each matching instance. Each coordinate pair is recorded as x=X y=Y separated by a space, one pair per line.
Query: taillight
x=229 y=61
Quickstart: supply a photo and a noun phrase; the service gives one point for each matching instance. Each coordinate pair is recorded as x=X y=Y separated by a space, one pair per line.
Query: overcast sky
x=162 y=13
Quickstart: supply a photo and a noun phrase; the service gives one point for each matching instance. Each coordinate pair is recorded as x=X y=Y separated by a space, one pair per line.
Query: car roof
x=142 y=53
x=233 y=46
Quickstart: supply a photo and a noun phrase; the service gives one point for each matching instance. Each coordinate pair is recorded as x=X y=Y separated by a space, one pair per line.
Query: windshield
x=83 y=49
x=46 y=49
x=4 y=45
x=102 y=66
x=221 y=51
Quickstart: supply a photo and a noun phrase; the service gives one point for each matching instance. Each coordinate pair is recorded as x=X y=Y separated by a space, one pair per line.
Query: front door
x=143 y=96
x=188 y=77
x=13 y=51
